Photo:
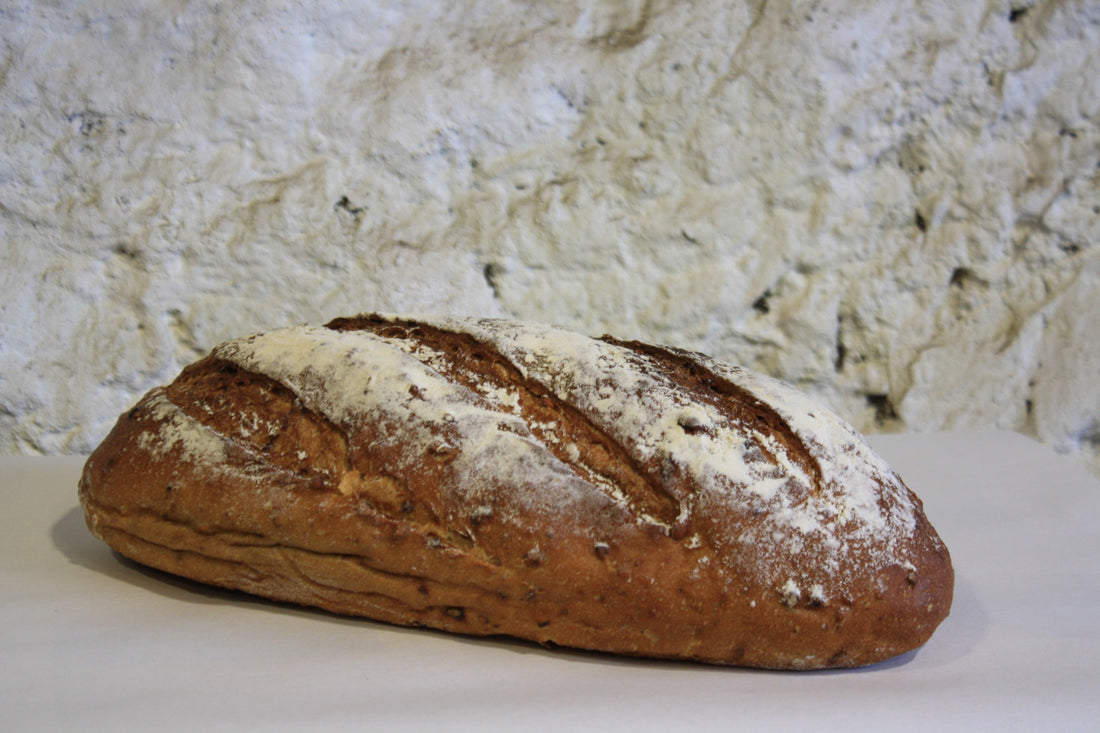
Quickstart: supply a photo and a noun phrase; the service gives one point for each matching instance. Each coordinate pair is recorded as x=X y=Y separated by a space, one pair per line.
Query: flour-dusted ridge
x=857 y=482
x=195 y=441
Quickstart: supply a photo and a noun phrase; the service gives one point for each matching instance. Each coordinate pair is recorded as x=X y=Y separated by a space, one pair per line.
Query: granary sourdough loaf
x=495 y=477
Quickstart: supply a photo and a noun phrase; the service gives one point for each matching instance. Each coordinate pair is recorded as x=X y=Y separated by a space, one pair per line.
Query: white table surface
x=89 y=641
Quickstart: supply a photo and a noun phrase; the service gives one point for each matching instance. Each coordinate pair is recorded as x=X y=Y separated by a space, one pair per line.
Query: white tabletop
x=91 y=641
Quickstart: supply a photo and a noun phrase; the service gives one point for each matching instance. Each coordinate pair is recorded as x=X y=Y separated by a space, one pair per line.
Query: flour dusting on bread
x=489 y=476
x=354 y=377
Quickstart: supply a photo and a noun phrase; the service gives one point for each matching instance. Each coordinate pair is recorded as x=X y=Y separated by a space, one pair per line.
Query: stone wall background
x=894 y=206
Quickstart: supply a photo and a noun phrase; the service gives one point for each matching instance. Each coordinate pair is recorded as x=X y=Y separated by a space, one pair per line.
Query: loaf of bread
x=494 y=477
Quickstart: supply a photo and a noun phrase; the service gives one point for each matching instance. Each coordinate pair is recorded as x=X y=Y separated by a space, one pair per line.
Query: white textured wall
x=895 y=206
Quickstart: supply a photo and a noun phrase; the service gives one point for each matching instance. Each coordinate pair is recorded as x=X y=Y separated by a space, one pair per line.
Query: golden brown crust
x=490 y=491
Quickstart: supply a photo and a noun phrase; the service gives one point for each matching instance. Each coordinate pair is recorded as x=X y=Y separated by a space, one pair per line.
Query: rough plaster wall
x=893 y=205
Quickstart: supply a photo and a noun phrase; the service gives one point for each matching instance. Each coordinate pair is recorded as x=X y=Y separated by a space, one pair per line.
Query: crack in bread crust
x=481 y=368
x=740 y=405
x=264 y=417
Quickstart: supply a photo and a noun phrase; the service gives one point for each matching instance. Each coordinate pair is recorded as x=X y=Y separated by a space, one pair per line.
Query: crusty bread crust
x=493 y=477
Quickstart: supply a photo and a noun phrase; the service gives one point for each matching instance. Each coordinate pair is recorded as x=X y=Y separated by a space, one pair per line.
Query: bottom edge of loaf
x=298 y=577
